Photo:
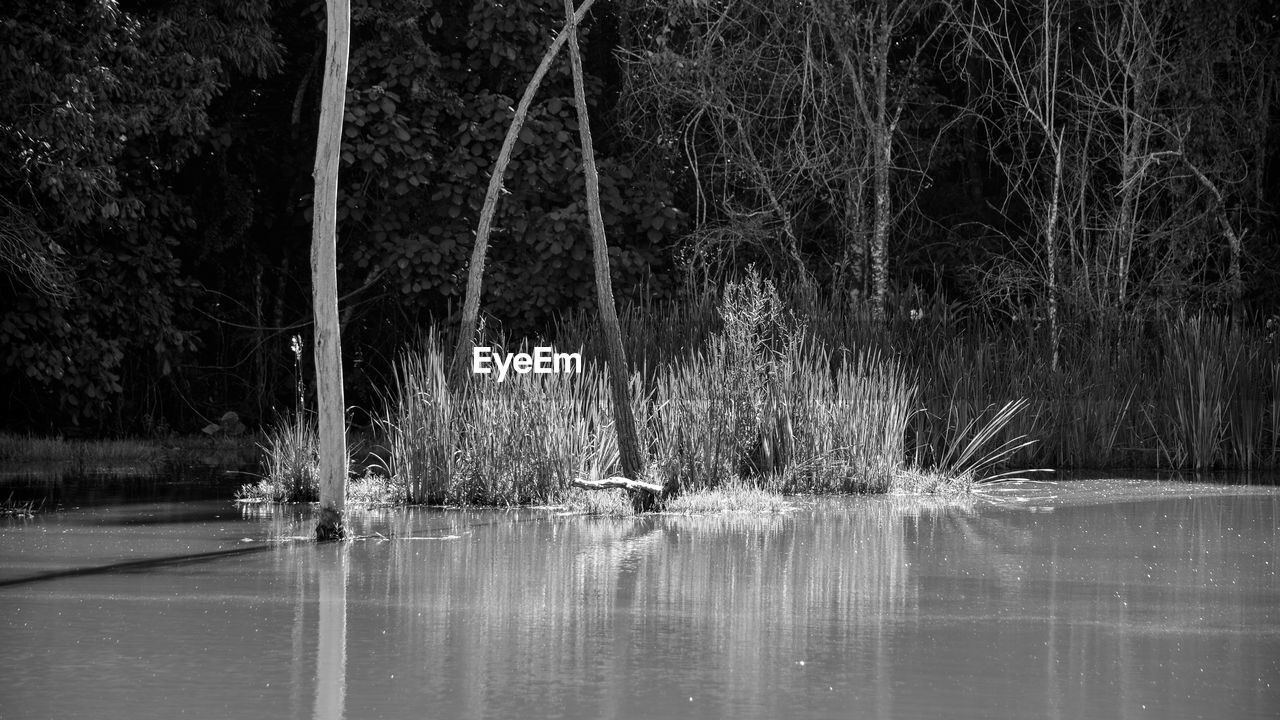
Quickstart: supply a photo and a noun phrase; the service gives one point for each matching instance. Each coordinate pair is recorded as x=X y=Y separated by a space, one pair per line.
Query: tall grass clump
x=519 y=441
x=420 y=429
x=1201 y=358
x=1250 y=402
x=291 y=462
x=851 y=410
x=757 y=400
x=764 y=399
x=1274 y=410
x=721 y=410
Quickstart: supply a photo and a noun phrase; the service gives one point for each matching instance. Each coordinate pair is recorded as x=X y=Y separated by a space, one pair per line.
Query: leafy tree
x=99 y=110
x=432 y=92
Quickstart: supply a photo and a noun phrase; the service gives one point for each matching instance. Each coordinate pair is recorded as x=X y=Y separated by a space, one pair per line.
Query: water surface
x=1084 y=599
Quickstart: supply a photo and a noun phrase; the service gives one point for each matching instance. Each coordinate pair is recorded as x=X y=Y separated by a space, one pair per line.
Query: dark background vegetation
x=1050 y=170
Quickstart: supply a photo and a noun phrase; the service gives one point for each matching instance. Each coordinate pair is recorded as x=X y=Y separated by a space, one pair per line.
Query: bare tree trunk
x=475 y=274
x=1051 y=251
x=629 y=448
x=882 y=144
x=871 y=96
x=1049 y=80
x=324 y=274
x=852 y=266
x=259 y=340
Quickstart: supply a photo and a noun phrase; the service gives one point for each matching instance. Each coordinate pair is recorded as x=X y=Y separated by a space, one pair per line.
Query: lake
x=1103 y=598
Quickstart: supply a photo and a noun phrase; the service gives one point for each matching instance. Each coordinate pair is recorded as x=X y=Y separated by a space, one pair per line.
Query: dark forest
x=1066 y=181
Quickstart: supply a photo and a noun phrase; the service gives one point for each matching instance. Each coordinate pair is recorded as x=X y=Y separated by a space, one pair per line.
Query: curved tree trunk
x=629 y=448
x=475 y=273
x=324 y=279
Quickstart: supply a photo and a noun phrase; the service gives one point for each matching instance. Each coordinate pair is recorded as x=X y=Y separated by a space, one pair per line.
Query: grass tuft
x=734 y=497
x=919 y=481
x=291 y=461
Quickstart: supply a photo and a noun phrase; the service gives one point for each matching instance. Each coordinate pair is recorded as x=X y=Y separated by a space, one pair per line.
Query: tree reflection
x=331 y=655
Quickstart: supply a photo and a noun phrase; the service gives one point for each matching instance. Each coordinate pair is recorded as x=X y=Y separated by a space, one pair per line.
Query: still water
x=1082 y=599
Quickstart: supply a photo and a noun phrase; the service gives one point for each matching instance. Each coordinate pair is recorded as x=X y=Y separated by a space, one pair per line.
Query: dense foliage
x=101 y=111
x=1066 y=166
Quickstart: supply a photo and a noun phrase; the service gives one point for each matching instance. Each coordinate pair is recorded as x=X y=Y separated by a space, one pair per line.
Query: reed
x=1249 y=402
x=767 y=399
x=168 y=456
x=732 y=497
x=758 y=401
x=851 y=409
x=984 y=444
x=291 y=461
x=519 y=441
x=1201 y=355
x=419 y=427
x=18 y=508
x=29 y=448
x=742 y=390
x=1274 y=412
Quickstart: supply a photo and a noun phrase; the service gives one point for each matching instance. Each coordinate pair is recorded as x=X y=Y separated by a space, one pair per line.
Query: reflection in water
x=331 y=657
x=1167 y=606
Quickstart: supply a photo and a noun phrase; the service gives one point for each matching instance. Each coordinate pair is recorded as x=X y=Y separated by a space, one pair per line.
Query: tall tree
x=324 y=274
x=629 y=448
x=1028 y=84
x=864 y=36
x=790 y=118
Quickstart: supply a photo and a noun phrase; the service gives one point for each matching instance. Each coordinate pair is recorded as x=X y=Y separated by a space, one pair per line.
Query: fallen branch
x=618 y=482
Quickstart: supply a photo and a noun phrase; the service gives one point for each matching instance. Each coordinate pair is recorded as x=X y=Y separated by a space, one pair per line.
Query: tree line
x=1077 y=162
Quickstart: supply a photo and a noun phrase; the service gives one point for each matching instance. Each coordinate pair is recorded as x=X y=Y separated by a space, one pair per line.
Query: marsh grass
x=291 y=467
x=520 y=441
x=291 y=461
x=759 y=400
x=1216 y=406
x=1199 y=377
x=1274 y=411
x=851 y=409
x=610 y=504
x=766 y=399
x=774 y=401
x=920 y=481
x=373 y=489
x=18 y=508
x=168 y=456
x=983 y=443
x=1189 y=392
x=92 y=452
x=736 y=496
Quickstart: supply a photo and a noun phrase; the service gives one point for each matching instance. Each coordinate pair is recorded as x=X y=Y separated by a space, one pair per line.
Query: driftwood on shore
x=618 y=481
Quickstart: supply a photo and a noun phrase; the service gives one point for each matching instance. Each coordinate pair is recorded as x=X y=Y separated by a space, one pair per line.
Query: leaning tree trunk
x=475 y=273
x=324 y=279
x=629 y=449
